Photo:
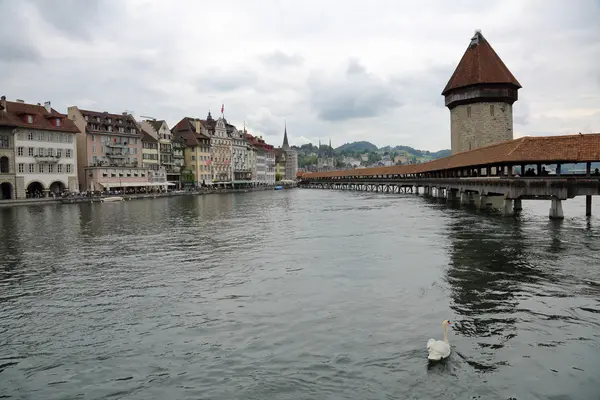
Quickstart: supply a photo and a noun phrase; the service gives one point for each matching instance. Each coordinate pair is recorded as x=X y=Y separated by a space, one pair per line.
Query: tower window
x=469 y=112
x=492 y=110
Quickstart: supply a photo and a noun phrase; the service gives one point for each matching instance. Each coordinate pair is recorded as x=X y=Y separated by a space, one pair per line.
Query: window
x=469 y=112
x=30 y=119
x=50 y=137
x=20 y=151
x=68 y=154
x=4 y=142
x=59 y=167
x=492 y=110
x=41 y=168
x=30 y=151
x=93 y=148
x=68 y=168
x=31 y=168
x=21 y=168
x=58 y=152
x=51 y=168
x=30 y=136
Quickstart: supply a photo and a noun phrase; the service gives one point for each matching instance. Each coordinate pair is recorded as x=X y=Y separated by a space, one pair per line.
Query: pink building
x=109 y=151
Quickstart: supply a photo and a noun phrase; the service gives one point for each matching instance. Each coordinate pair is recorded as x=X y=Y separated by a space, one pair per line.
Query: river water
x=297 y=294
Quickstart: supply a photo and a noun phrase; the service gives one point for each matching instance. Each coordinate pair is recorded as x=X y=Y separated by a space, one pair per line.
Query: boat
x=113 y=198
x=278 y=188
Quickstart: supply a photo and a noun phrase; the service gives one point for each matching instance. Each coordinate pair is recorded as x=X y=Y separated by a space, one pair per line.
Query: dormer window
x=57 y=121
x=29 y=119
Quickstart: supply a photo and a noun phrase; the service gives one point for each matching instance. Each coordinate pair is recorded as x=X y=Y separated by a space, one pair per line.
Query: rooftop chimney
x=20 y=101
x=3 y=103
x=48 y=107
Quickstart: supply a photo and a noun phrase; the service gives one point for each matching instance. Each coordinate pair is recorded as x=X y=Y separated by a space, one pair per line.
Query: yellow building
x=197 y=150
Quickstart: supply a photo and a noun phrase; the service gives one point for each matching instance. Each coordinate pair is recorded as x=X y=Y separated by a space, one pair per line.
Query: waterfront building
x=242 y=173
x=38 y=154
x=109 y=151
x=159 y=129
x=178 y=144
x=221 y=146
x=269 y=164
x=196 y=153
x=480 y=95
x=264 y=165
x=150 y=158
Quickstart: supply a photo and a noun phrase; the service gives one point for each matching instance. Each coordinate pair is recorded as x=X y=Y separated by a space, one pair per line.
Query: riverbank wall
x=127 y=197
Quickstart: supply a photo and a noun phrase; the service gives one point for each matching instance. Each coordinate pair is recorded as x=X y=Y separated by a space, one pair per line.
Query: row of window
x=201 y=158
x=146 y=156
x=492 y=111
x=57 y=137
x=109 y=128
x=201 y=167
x=45 y=168
x=40 y=151
x=115 y=139
x=105 y=149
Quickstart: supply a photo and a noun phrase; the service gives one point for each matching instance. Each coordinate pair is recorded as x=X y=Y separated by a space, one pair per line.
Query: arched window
x=4 y=165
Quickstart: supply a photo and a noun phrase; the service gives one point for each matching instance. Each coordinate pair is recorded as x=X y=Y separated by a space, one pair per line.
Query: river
x=297 y=294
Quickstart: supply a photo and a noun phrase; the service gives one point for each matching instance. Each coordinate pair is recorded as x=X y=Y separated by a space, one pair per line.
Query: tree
x=277 y=177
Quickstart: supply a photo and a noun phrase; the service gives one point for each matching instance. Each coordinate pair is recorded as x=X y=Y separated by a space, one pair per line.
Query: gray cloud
x=278 y=58
x=74 y=18
x=226 y=81
x=353 y=96
x=12 y=53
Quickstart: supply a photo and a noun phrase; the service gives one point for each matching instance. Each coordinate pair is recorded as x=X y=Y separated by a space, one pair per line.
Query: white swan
x=438 y=349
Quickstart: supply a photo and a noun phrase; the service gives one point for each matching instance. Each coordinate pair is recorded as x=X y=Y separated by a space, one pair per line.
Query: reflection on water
x=296 y=294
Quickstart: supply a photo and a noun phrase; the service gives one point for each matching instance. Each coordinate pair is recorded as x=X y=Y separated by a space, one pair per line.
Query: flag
x=222 y=108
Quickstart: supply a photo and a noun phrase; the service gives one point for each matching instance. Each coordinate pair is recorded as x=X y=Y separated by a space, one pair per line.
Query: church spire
x=286 y=145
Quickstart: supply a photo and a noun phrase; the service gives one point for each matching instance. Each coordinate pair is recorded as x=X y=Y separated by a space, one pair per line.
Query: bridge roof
x=529 y=150
x=480 y=64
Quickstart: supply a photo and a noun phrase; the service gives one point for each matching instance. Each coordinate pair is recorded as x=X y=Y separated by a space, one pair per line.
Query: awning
x=109 y=185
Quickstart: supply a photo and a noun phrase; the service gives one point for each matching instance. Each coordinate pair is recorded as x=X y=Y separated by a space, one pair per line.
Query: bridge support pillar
x=481 y=202
x=464 y=198
x=507 y=207
x=518 y=205
x=556 y=211
x=451 y=195
x=588 y=205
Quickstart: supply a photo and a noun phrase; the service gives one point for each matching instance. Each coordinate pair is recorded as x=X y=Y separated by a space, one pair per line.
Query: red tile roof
x=186 y=130
x=480 y=64
x=147 y=137
x=16 y=113
x=529 y=150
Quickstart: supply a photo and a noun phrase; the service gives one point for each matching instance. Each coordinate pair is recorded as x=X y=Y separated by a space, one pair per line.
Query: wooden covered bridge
x=499 y=175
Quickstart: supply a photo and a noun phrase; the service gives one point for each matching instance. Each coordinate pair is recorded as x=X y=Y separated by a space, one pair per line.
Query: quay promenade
x=127 y=197
x=489 y=176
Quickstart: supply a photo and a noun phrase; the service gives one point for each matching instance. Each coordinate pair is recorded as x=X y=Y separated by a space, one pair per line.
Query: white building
x=240 y=159
x=270 y=165
x=221 y=149
x=44 y=149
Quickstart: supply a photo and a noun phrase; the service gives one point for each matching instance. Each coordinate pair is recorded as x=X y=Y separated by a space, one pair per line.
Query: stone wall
x=478 y=127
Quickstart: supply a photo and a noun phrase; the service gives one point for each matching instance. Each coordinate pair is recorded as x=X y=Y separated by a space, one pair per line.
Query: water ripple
x=296 y=294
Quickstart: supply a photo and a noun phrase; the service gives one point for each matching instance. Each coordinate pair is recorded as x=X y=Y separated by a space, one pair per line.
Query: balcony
x=178 y=156
x=116 y=155
x=47 y=159
x=116 y=145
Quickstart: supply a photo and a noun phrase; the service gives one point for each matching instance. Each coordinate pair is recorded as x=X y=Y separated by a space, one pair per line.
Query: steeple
x=330 y=149
x=209 y=117
x=286 y=145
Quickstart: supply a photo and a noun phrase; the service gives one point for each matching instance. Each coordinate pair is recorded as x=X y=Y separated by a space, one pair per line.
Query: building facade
x=197 y=151
x=159 y=129
x=37 y=151
x=109 y=149
x=240 y=154
x=325 y=158
x=480 y=96
x=221 y=151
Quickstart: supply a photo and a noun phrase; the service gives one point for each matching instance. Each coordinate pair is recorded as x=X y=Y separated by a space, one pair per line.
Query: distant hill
x=357 y=147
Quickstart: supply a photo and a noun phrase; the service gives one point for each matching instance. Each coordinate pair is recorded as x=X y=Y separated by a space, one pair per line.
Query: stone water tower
x=480 y=95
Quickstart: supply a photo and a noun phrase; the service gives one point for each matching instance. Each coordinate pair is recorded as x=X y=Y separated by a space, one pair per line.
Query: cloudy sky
x=346 y=70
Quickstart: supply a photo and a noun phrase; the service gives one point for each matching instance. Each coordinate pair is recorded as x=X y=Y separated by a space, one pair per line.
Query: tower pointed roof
x=480 y=64
x=286 y=145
